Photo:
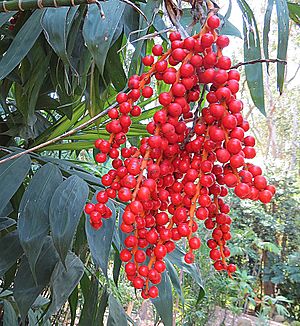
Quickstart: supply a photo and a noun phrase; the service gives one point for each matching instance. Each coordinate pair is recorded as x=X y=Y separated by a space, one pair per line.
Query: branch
x=252 y=62
x=58 y=138
x=23 y=5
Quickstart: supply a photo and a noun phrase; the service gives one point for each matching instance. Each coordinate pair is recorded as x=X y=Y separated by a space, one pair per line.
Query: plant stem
x=252 y=62
x=58 y=138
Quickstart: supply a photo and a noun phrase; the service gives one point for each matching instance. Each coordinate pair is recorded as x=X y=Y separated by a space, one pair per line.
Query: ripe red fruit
x=157 y=50
x=195 y=243
x=213 y=22
x=148 y=60
x=147 y=91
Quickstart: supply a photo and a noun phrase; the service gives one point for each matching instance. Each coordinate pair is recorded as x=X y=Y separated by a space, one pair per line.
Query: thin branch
x=23 y=5
x=58 y=138
x=294 y=76
x=252 y=62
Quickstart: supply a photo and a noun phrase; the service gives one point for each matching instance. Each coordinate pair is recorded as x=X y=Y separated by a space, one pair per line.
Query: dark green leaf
x=33 y=223
x=10 y=317
x=73 y=302
x=90 y=306
x=100 y=240
x=174 y=279
x=114 y=68
x=65 y=211
x=117 y=267
x=283 y=38
x=164 y=302
x=117 y=315
x=102 y=306
x=99 y=32
x=177 y=257
x=11 y=250
x=294 y=12
x=56 y=23
x=22 y=43
x=252 y=51
x=6 y=222
x=267 y=23
x=12 y=174
x=63 y=281
x=26 y=290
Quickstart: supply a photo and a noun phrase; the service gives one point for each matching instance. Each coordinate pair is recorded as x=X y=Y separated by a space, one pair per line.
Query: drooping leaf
x=117 y=315
x=10 y=317
x=12 y=174
x=26 y=289
x=33 y=222
x=56 y=23
x=90 y=307
x=99 y=32
x=177 y=257
x=100 y=240
x=266 y=30
x=164 y=302
x=283 y=38
x=174 y=279
x=6 y=222
x=65 y=211
x=252 y=51
x=11 y=250
x=73 y=302
x=114 y=68
x=63 y=281
x=22 y=43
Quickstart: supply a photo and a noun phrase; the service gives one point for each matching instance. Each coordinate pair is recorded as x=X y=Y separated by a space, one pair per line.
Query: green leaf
x=11 y=250
x=117 y=315
x=252 y=51
x=164 y=302
x=4 y=17
x=6 y=222
x=114 y=68
x=73 y=302
x=294 y=12
x=177 y=257
x=10 y=317
x=100 y=240
x=33 y=223
x=22 y=43
x=148 y=9
x=26 y=290
x=12 y=174
x=228 y=28
x=70 y=146
x=175 y=279
x=63 y=281
x=56 y=23
x=266 y=30
x=283 y=38
x=65 y=211
x=99 y=32
x=90 y=307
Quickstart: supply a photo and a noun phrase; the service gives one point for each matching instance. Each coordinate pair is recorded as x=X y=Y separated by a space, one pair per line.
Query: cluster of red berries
x=179 y=173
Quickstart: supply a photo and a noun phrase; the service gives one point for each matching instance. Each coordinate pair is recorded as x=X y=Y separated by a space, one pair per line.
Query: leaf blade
x=33 y=222
x=65 y=211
